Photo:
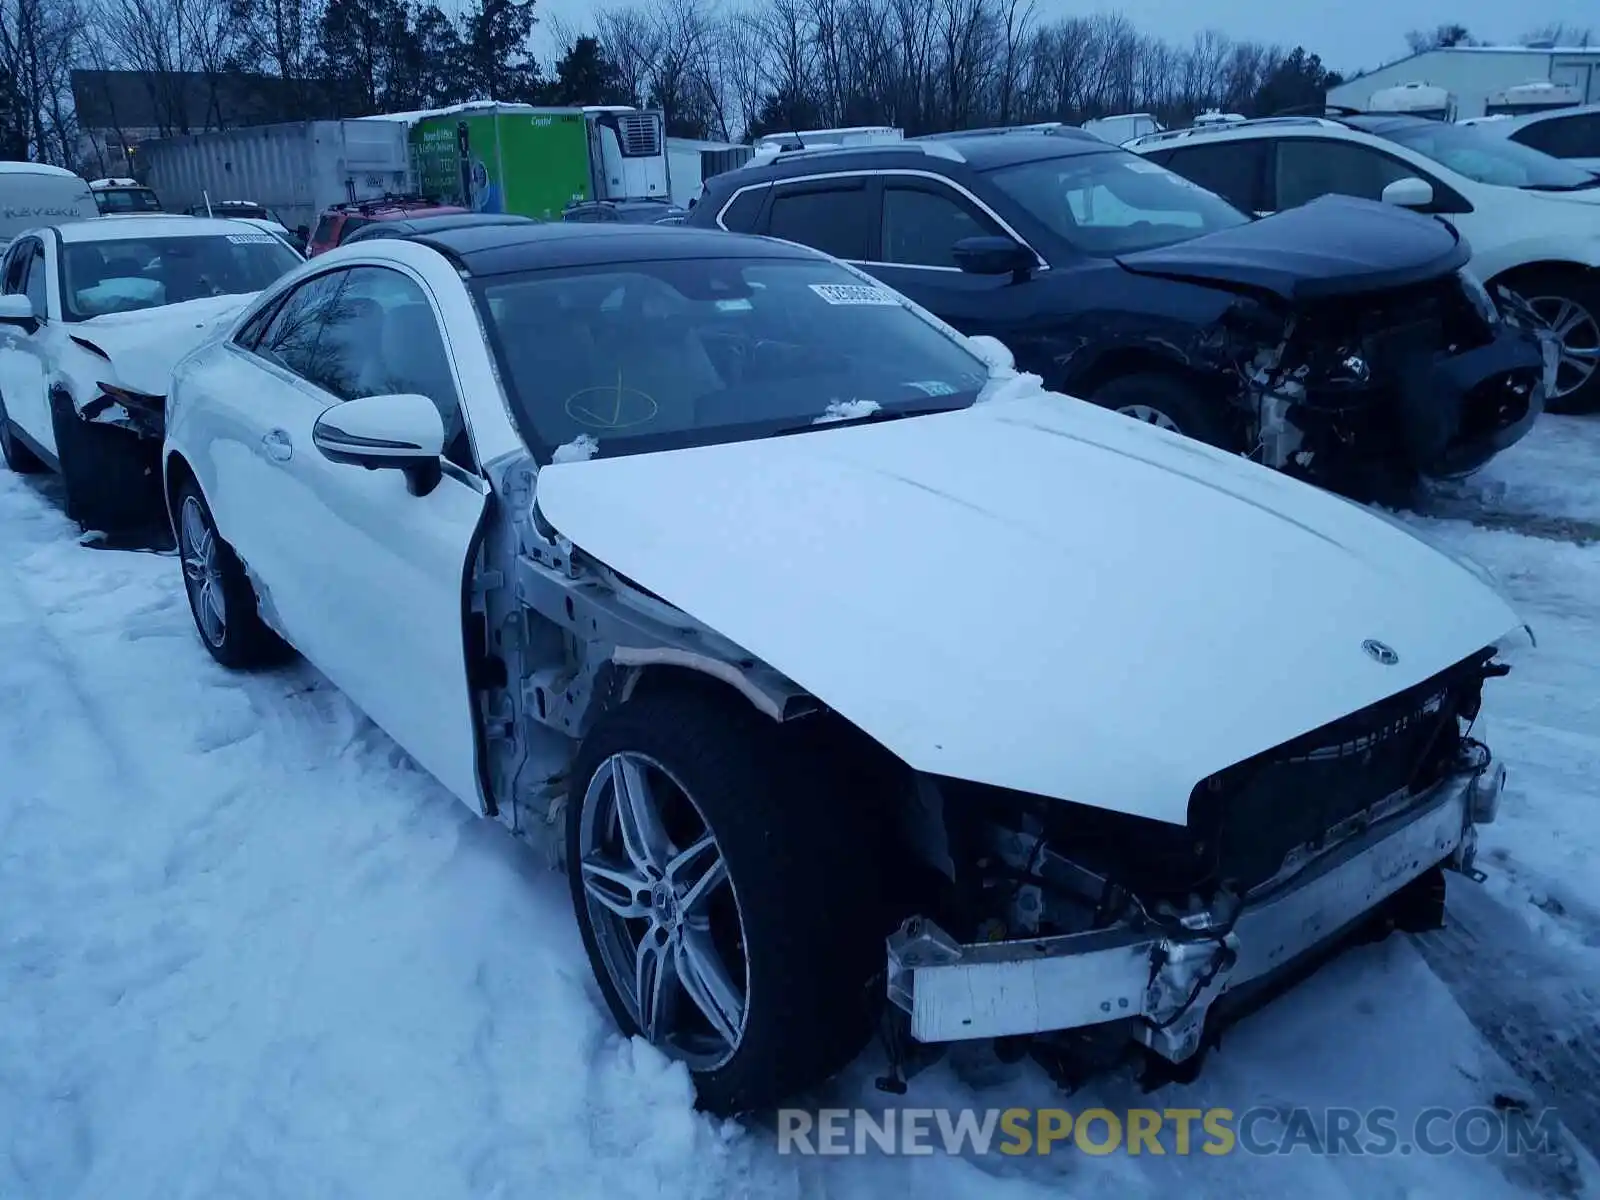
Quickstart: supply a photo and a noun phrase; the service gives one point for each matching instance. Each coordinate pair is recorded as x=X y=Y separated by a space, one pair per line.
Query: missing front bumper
x=1168 y=982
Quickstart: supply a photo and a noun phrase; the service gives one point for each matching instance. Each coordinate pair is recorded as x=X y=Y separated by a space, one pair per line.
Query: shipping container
x=295 y=169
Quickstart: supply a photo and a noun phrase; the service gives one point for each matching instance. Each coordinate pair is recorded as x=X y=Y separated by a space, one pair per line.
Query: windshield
x=1114 y=203
x=127 y=200
x=1485 y=158
x=653 y=355
x=133 y=273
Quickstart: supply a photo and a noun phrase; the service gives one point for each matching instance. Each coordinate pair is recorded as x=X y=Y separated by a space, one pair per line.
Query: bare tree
x=924 y=65
x=39 y=43
x=632 y=41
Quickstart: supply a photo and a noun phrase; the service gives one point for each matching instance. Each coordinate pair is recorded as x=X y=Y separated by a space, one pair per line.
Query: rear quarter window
x=741 y=215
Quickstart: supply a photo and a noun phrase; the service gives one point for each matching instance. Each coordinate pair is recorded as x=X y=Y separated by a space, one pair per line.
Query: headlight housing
x=1478 y=295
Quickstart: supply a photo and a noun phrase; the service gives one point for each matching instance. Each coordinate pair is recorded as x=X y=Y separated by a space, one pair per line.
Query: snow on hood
x=1033 y=592
x=146 y=343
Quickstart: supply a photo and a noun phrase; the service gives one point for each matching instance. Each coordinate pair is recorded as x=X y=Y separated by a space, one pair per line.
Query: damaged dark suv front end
x=1360 y=350
x=1342 y=341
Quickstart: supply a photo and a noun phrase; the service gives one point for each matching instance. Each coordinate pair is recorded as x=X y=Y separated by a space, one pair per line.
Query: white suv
x=1533 y=221
x=1572 y=134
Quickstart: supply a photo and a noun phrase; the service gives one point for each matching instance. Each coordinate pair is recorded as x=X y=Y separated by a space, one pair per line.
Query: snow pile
x=579 y=449
x=846 y=410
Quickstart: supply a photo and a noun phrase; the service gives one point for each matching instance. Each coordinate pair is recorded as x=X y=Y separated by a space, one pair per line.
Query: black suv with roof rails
x=1341 y=341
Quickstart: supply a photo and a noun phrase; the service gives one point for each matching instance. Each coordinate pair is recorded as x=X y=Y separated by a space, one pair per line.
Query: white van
x=34 y=194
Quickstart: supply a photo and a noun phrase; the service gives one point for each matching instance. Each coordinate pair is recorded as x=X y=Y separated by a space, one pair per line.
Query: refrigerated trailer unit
x=295 y=169
x=534 y=161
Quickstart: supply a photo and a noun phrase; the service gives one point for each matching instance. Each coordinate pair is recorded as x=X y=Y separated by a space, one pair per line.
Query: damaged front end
x=1080 y=933
x=1365 y=392
x=140 y=413
x=110 y=455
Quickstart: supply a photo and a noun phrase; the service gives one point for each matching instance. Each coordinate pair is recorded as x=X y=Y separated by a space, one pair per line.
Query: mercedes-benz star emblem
x=1378 y=652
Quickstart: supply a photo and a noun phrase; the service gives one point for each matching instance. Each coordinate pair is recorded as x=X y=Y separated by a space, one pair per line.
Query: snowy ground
x=246 y=950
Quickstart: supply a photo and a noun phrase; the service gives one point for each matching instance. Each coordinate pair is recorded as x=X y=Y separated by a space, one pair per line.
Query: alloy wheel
x=1577 y=333
x=1150 y=416
x=202 y=573
x=663 y=910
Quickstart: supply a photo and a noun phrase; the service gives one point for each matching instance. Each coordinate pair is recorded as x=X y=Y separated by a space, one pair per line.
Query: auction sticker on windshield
x=855 y=293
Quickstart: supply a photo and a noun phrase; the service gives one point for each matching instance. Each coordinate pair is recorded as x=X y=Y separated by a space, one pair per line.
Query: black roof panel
x=499 y=249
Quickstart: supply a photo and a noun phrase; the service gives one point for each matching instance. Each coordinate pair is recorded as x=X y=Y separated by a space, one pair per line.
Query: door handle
x=277 y=445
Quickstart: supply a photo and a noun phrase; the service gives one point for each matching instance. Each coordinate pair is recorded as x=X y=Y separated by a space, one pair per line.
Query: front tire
x=221 y=598
x=1166 y=403
x=1568 y=305
x=724 y=901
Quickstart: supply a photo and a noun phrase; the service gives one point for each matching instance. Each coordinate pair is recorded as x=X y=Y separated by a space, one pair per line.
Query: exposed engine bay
x=1145 y=925
x=1365 y=392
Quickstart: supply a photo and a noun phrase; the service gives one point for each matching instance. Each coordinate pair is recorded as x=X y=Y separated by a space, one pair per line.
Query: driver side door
x=367 y=580
x=23 y=351
x=919 y=222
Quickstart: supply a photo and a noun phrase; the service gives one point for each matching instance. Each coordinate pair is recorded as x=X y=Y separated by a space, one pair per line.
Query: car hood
x=1035 y=593
x=1575 y=202
x=145 y=344
x=1332 y=246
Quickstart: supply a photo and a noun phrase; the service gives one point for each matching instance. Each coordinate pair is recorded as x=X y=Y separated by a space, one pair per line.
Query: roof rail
x=929 y=146
x=989 y=131
x=1320 y=110
x=1205 y=131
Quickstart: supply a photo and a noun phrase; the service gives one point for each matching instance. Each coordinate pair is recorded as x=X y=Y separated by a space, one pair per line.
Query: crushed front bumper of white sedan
x=1168 y=979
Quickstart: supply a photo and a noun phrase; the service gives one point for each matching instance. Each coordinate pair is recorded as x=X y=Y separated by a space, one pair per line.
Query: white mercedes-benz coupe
x=855 y=678
x=93 y=315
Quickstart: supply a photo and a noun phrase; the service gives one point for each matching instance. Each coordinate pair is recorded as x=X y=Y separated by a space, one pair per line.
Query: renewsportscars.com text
x=1180 y=1131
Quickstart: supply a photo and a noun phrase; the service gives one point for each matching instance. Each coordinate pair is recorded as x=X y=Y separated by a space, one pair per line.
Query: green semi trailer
x=537 y=162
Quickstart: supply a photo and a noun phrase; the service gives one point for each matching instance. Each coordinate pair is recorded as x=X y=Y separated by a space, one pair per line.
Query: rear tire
x=222 y=599
x=1167 y=403
x=792 y=927
x=17 y=456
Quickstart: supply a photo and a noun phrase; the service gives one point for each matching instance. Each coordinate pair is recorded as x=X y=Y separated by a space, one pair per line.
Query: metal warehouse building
x=1473 y=73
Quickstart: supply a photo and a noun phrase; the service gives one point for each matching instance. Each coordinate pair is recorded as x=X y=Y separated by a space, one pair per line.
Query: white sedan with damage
x=858 y=681
x=93 y=315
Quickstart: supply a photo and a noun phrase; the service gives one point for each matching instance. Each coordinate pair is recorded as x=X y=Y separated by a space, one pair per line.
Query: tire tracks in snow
x=1539 y=1013
x=135 y=793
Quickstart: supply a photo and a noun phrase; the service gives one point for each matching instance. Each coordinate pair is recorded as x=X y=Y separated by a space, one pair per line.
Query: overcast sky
x=1349 y=37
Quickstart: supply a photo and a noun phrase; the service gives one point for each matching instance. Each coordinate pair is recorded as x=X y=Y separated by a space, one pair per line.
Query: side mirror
x=993 y=256
x=994 y=352
x=402 y=432
x=1409 y=192
x=17 y=309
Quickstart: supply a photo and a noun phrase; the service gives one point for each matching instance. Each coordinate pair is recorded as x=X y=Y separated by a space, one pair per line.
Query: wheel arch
x=1144 y=360
x=176 y=471
x=1546 y=266
x=667 y=669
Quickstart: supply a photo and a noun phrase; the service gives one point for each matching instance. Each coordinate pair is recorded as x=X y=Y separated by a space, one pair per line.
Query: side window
x=292 y=336
x=351 y=224
x=255 y=327
x=740 y=216
x=921 y=225
x=326 y=228
x=16 y=267
x=1563 y=137
x=38 y=276
x=383 y=339
x=1233 y=170
x=831 y=219
x=1312 y=167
